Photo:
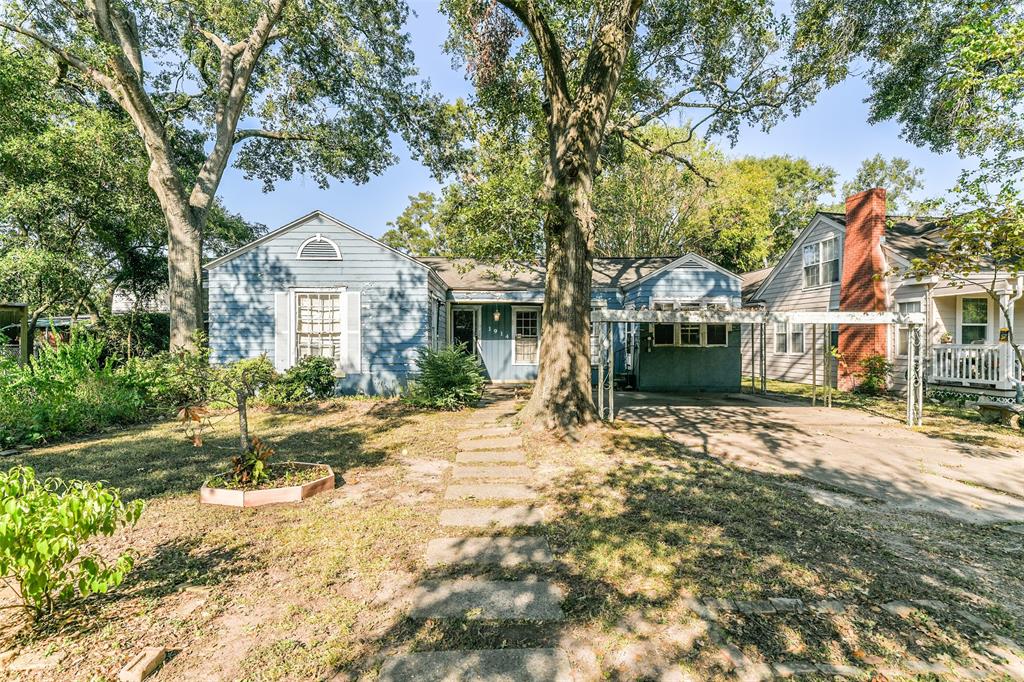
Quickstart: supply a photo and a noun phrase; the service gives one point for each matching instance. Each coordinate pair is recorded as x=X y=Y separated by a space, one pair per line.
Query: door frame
x=477 y=324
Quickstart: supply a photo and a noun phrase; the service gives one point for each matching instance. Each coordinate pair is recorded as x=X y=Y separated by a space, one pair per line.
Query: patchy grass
x=959 y=424
x=638 y=524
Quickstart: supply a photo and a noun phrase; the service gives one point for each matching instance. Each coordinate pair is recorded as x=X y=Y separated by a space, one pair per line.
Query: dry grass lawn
x=317 y=590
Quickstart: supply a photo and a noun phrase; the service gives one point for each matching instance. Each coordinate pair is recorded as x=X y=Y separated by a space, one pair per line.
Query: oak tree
x=285 y=86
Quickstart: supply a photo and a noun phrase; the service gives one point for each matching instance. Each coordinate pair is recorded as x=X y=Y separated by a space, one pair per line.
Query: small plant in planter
x=252 y=480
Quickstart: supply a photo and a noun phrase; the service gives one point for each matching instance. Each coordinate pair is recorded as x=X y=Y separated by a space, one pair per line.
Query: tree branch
x=98 y=77
x=556 y=82
x=663 y=151
x=272 y=135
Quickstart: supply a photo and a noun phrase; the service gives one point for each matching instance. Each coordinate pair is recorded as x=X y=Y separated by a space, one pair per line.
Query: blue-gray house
x=317 y=286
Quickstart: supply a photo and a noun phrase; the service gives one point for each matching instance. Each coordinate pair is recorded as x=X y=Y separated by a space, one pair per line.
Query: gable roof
x=284 y=229
x=907 y=236
x=468 y=275
x=797 y=243
x=752 y=281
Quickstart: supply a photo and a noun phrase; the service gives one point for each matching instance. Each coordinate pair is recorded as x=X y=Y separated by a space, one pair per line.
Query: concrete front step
x=485 y=432
x=486 y=665
x=495 y=473
x=487 y=599
x=508 y=443
x=488 y=550
x=493 y=517
x=491 y=457
x=489 y=491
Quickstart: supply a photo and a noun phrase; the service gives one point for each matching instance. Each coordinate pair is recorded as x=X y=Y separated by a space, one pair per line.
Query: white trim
x=821 y=262
x=687 y=257
x=293 y=352
x=700 y=335
x=520 y=309
x=317 y=238
x=288 y=227
x=755 y=316
x=704 y=335
x=920 y=300
x=797 y=248
x=989 y=336
x=477 y=324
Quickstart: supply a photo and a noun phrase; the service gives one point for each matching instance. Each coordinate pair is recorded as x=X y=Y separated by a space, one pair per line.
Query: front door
x=464 y=331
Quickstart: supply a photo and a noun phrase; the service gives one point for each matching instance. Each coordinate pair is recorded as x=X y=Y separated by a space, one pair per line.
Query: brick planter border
x=258 y=498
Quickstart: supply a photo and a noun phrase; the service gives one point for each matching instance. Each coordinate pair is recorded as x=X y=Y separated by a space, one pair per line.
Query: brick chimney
x=862 y=285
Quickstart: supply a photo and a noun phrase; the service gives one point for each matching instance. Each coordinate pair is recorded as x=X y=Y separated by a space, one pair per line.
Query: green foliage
x=68 y=389
x=446 y=379
x=249 y=468
x=44 y=531
x=135 y=335
x=412 y=232
x=875 y=373
x=896 y=175
x=311 y=379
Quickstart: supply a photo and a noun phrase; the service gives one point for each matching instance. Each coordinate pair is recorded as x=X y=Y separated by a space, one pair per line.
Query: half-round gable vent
x=319 y=247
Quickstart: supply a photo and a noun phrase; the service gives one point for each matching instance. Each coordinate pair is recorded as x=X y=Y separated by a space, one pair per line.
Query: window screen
x=318 y=328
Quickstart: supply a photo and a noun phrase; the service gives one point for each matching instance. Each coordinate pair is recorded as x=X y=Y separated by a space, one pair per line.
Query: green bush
x=135 y=335
x=69 y=389
x=447 y=379
x=311 y=379
x=43 y=530
x=875 y=372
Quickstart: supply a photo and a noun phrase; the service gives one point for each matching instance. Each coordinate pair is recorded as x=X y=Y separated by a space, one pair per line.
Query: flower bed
x=289 y=482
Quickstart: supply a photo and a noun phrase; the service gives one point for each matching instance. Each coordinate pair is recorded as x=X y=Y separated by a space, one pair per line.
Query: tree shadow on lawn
x=157 y=460
x=665 y=524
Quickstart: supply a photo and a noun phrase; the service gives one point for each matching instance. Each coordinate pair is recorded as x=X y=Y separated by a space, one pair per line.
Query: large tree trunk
x=562 y=398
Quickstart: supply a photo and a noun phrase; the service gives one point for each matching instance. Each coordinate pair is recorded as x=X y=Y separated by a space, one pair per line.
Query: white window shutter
x=353 y=357
x=282 y=331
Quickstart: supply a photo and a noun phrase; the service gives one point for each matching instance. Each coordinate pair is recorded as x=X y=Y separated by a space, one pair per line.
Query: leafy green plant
x=311 y=379
x=447 y=379
x=43 y=530
x=250 y=467
x=875 y=372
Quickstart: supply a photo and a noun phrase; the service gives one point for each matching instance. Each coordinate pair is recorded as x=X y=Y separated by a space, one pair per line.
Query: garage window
x=664 y=335
x=689 y=335
x=716 y=335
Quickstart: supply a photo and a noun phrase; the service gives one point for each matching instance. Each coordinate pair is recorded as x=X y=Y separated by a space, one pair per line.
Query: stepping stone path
x=490 y=469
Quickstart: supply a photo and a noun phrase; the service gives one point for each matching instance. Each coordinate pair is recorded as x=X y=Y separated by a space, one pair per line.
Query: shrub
x=68 y=389
x=42 y=532
x=135 y=335
x=311 y=379
x=876 y=370
x=447 y=379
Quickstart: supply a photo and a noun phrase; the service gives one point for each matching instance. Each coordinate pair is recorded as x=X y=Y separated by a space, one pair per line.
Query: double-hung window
x=781 y=338
x=526 y=323
x=789 y=337
x=318 y=328
x=821 y=262
x=903 y=332
x=973 y=320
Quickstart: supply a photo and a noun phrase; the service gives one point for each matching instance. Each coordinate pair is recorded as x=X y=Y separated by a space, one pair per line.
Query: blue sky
x=833 y=132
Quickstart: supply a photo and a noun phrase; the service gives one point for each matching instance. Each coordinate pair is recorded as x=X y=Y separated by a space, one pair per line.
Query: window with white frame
x=716 y=335
x=821 y=262
x=526 y=342
x=903 y=331
x=318 y=325
x=796 y=338
x=689 y=334
x=974 y=320
x=781 y=338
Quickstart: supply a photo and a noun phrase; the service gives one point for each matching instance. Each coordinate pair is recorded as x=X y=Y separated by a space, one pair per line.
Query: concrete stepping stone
x=487 y=599
x=488 y=550
x=504 y=473
x=489 y=491
x=491 y=457
x=496 y=517
x=486 y=432
x=494 y=665
x=508 y=443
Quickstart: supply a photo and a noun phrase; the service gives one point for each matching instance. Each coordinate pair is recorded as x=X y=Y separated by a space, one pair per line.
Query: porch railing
x=989 y=365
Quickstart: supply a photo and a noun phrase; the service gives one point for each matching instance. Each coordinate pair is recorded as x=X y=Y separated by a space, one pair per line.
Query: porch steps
x=493 y=517
x=491 y=457
x=489 y=491
x=488 y=599
x=480 y=665
x=500 y=551
x=492 y=473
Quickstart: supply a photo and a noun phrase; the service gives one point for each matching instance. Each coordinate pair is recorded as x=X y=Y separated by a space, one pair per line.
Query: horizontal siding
x=394 y=292
x=682 y=282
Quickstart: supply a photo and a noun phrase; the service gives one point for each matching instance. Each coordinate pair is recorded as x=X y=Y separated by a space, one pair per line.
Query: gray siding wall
x=686 y=281
x=786 y=292
x=395 y=316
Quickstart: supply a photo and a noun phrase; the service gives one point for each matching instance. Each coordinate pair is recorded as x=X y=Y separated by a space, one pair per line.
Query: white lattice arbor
x=758 y=320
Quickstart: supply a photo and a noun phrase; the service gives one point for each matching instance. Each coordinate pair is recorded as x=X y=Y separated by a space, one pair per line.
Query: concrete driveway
x=847 y=448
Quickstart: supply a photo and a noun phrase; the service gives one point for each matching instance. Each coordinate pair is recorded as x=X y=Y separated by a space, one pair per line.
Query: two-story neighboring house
x=854 y=261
